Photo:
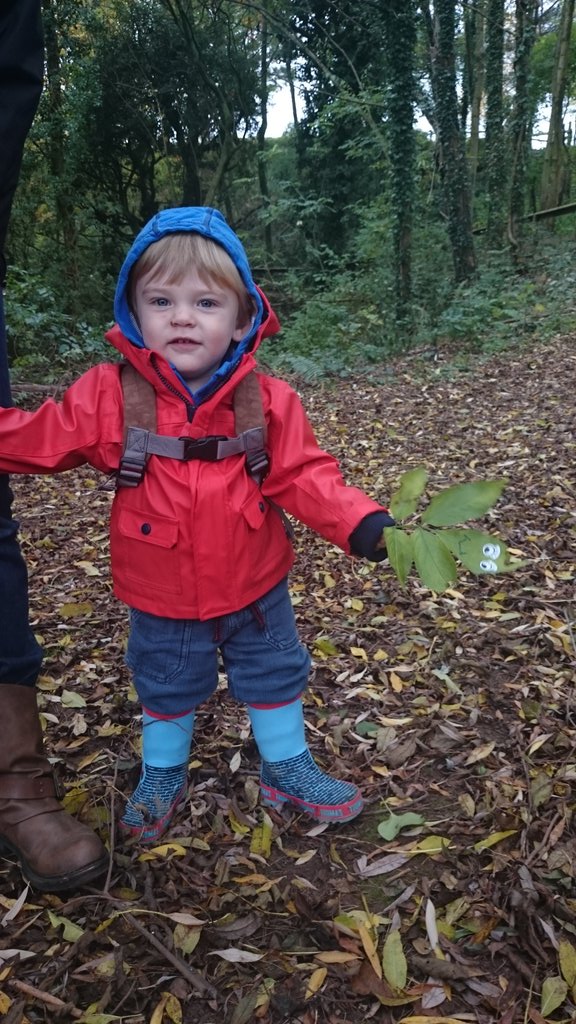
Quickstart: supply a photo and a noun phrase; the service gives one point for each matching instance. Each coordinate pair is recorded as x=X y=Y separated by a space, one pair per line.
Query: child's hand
x=366 y=539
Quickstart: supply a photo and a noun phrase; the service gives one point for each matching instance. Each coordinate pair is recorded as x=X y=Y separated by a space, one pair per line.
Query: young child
x=199 y=551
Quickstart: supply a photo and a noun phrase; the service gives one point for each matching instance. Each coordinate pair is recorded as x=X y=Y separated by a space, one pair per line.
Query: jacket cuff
x=364 y=540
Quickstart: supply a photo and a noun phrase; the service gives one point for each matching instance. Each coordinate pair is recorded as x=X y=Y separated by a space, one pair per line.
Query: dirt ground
x=457 y=708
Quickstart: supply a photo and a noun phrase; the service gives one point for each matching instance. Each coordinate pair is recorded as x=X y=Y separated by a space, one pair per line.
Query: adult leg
x=55 y=851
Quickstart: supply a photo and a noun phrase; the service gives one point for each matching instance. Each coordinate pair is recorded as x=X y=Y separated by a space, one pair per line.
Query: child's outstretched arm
x=306 y=481
x=86 y=426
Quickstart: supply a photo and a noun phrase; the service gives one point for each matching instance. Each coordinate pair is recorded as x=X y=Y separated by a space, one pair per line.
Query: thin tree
x=494 y=143
x=441 y=28
x=400 y=44
x=555 y=172
x=476 y=21
x=526 y=19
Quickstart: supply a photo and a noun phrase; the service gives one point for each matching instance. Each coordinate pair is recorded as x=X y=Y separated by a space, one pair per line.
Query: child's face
x=190 y=323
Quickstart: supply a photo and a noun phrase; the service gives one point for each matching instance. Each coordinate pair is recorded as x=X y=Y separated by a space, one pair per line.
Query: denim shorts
x=175 y=662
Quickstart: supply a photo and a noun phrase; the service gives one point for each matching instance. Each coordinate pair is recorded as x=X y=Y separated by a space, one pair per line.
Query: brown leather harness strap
x=141 y=441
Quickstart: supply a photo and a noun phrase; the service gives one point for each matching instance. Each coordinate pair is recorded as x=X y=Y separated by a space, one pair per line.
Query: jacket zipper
x=190 y=407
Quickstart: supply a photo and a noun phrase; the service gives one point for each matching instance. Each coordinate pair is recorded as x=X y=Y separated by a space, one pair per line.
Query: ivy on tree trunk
x=453 y=165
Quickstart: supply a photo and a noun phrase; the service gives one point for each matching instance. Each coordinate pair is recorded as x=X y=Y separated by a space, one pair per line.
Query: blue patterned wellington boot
x=289 y=773
x=164 y=777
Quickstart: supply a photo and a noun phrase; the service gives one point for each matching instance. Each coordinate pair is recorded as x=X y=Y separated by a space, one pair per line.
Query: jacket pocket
x=255 y=509
x=147 y=550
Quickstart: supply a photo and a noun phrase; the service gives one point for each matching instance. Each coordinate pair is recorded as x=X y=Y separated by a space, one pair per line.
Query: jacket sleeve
x=305 y=480
x=86 y=426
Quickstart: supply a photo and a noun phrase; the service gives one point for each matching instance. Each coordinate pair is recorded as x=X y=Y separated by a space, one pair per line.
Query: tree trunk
x=478 y=32
x=556 y=170
x=451 y=140
x=400 y=40
x=495 y=153
x=522 y=114
x=261 y=135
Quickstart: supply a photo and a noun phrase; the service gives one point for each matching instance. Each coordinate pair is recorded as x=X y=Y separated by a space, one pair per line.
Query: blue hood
x=204 y=221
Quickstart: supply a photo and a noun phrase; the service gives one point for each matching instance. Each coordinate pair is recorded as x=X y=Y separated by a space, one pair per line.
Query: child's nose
x=183 y=313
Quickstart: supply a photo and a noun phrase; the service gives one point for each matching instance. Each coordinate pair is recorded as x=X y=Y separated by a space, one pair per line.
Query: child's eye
x=207 y=303
x=160 y=301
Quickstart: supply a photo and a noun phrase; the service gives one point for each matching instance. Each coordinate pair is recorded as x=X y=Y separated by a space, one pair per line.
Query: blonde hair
x=172 y=257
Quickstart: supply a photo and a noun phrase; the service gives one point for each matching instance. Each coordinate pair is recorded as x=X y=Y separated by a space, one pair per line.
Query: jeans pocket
x=277 y=618
x=157 y=648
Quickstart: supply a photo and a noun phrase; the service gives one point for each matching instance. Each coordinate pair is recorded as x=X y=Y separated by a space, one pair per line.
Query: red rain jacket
x=194 y=539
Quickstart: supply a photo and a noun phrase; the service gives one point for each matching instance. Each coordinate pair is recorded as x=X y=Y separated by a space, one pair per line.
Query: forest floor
x=458 y=709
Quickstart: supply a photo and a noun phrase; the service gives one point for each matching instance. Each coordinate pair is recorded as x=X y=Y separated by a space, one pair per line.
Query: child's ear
x=242 y=329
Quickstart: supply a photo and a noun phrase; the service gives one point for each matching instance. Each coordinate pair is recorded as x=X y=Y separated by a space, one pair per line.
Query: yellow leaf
x=70 y=932
x=305 y=857
x=73 y=610
x=261 y=840
x=260 y=880
x=357 y=604
x=491 y=840
x=6 y=1002
x=481 y=752
x=370 y=949
x=173 y=1009
x=359 y=652
x=315 y=982
x=157 y=852
x=539 y=742
x=336 y=956
x=186 y=938
x=396 y=682
x=89 y=568
x=433 y=1020
x=467 y=804
x=431 y=845
x=158 y=1014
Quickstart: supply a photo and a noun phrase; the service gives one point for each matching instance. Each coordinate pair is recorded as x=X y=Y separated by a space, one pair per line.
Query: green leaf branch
x=438 y=544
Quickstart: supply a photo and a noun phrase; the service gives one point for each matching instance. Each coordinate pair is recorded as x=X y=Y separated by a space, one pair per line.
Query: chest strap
x=141 y=443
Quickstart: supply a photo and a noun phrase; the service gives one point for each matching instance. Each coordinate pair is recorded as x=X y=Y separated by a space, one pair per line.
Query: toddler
x=200 y=552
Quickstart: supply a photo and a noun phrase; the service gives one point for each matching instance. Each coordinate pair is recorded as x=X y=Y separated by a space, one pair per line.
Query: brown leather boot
x=55 y=851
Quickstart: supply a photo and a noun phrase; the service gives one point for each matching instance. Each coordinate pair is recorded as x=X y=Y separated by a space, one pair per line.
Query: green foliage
x=502 y=307
x=45 y=344
x=435 y=552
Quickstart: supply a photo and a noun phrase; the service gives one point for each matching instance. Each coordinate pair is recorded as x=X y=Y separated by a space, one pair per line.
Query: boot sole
x=275 y=798
x=56 y=883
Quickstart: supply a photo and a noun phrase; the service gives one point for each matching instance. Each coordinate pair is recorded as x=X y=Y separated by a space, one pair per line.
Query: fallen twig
x=45 y=997
x=195 y=979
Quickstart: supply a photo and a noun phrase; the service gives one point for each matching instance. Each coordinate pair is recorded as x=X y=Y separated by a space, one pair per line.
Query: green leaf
x=567 y=960
x=390 y=828
x=404 y=501
x=434 y=563
x=554 y=992
x=394 y=961
x=462 y=502
x=399 y=550
x=479 y=552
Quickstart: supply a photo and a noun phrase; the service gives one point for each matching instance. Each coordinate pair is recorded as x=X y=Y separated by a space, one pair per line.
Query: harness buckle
x=204 y=448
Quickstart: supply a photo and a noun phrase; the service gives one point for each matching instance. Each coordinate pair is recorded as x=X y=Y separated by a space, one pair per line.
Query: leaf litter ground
x=455 y=709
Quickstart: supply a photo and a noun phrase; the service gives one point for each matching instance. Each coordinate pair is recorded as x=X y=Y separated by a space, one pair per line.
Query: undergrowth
x=341 y=321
